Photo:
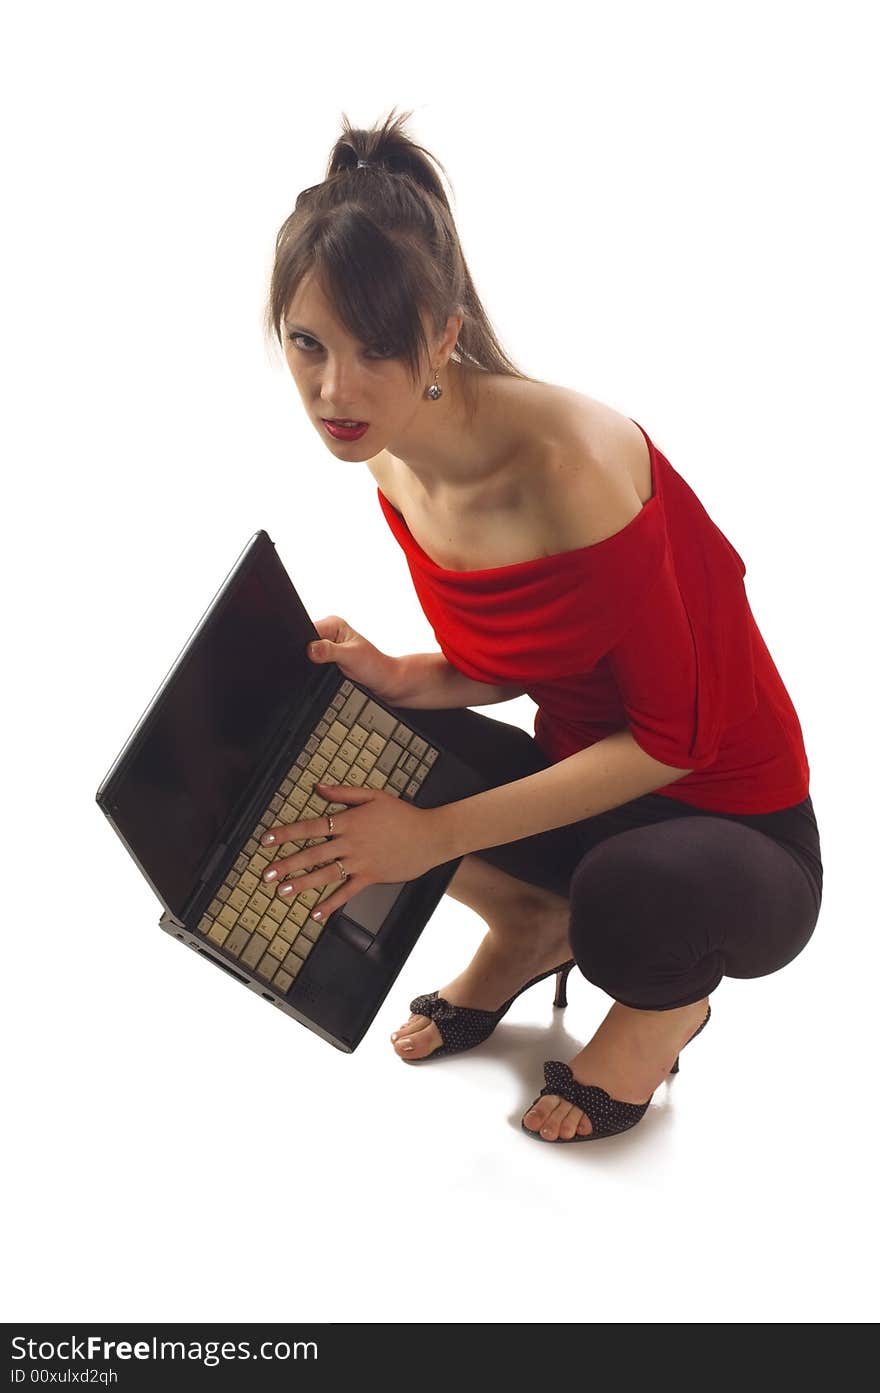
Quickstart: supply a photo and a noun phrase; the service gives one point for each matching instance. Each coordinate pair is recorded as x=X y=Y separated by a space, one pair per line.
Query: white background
x=670 y=208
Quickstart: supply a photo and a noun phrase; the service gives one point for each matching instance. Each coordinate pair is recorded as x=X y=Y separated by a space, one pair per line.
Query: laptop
x=241 y=729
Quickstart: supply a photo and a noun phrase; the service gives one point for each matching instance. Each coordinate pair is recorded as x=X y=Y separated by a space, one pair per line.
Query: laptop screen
x=244 y=674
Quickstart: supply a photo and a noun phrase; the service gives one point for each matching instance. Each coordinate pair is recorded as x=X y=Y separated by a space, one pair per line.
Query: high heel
x=674 y=1069
x=463 y=1027
x=607 y=1115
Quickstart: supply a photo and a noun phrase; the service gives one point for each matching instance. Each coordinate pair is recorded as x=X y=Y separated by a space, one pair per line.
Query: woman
x=658 y=831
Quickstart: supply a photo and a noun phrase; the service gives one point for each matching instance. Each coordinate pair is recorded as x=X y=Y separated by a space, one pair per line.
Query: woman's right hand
x=355 y=656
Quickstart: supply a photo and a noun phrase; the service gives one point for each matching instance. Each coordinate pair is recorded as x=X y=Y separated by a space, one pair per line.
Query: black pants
x=666 y=899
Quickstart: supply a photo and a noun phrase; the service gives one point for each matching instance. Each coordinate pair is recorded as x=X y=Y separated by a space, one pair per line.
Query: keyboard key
x=389 y=757
x=349 y=712
x=236 y=940
x=267 y=967
x=255 y=950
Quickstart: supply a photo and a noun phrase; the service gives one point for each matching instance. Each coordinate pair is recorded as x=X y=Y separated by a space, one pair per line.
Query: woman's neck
x=449 y=451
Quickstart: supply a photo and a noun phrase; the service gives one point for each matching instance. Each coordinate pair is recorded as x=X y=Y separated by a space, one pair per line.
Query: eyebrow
x=298 y=329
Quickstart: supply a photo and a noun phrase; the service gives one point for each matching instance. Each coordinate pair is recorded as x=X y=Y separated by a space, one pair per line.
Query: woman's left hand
x=379 y=838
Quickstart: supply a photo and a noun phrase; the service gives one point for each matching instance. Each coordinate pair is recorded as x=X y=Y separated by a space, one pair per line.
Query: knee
x=619 y=903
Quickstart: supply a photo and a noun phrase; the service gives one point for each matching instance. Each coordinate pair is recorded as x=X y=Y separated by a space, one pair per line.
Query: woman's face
x=340 y=379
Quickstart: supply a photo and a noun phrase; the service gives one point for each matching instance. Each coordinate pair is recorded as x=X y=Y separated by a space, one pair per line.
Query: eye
x=293 y=339
x=381 y=351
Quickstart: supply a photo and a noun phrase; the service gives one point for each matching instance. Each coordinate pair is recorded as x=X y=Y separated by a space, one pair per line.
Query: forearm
x=428 y=681
x=613 y=771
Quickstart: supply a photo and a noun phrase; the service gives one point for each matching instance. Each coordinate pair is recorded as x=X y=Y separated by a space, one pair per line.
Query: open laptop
x=242 y=728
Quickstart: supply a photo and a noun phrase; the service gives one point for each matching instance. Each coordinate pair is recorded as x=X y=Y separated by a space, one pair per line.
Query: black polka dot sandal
x=608 y=1115
x=463 y=1027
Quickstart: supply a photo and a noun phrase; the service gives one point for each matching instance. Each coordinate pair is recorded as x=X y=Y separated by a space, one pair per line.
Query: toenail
x=406 y=1044
x=395 y=1035
x=546 y=1131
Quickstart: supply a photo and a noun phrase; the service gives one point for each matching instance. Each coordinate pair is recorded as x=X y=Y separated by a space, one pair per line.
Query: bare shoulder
x=593 y=476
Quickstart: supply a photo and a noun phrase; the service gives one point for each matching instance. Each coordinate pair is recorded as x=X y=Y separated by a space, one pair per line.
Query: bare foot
x=629 y=1056
x=529 y=940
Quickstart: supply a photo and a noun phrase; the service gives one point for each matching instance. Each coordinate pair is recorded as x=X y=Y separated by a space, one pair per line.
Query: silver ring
x=343 y=873
x=330 y=824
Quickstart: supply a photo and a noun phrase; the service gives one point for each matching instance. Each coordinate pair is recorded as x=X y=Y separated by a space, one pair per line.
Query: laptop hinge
x=216 y=858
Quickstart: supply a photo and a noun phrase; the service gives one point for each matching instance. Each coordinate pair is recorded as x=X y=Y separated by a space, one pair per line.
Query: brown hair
x=383 y=246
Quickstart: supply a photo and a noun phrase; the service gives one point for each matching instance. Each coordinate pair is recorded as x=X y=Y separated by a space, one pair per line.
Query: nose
x=339 y=393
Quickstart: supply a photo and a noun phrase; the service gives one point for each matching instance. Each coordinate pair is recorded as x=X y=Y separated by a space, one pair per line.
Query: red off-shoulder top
x=650 y=630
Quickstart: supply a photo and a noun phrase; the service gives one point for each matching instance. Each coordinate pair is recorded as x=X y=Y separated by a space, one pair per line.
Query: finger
x=317 y=828
x=308 y=858
x=345 y=793
x=310 y=829
x=332 y=902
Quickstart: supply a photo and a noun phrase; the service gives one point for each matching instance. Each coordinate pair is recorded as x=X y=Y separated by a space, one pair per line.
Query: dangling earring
x=435 y=390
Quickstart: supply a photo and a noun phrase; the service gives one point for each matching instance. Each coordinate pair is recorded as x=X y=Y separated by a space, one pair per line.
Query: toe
x=538 y=1113
x=569 y=1124
x=552 y=1123
x=414 y=1023
x=418 y=1043
x=556 y=1119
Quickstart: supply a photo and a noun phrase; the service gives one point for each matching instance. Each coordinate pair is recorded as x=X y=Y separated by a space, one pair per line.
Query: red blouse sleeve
x=684 y=669
x=662 y=601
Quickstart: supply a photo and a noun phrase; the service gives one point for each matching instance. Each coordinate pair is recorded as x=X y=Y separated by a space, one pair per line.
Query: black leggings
x=666 y=899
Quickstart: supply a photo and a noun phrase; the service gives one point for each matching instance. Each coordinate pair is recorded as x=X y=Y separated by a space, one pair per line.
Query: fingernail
x=267 y=839
x=318 y=914
x=285 y=890
x=270 y=875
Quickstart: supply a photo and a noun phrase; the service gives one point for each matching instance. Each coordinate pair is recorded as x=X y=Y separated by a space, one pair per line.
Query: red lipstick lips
x=340 y=432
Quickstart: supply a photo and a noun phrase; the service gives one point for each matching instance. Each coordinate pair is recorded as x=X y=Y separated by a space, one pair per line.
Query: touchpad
x=370 y=908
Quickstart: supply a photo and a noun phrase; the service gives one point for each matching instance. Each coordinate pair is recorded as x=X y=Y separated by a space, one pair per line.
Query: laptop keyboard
x=356 y=742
